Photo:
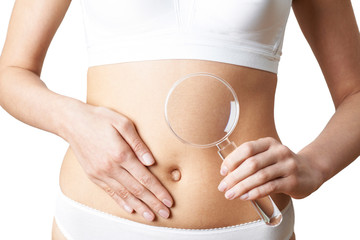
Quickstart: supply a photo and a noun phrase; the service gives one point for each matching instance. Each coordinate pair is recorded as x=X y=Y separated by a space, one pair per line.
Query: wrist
x=65 y=117
x=316 y=163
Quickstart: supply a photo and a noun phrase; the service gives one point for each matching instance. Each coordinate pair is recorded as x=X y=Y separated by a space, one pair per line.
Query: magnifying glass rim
x=236 y=108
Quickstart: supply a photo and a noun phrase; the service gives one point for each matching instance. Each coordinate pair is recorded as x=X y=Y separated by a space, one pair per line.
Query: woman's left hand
x=264 y=166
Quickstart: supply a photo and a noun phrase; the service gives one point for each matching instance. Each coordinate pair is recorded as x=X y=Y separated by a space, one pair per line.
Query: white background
x=30 y=158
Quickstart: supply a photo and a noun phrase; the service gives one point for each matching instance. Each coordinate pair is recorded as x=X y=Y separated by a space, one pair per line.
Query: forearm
x=26 y=97
x=339 y=143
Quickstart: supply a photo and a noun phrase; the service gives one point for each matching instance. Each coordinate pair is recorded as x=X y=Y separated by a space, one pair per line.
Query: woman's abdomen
x=138 y=90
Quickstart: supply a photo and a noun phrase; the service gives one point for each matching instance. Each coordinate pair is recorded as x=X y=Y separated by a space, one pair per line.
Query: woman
x=122 y=121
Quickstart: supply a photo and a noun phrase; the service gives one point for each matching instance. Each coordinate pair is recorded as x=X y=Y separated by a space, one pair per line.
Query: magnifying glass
x=202 y=110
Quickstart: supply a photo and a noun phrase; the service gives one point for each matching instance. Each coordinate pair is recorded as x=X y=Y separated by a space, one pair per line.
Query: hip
x=197 y=201
x=77 y=221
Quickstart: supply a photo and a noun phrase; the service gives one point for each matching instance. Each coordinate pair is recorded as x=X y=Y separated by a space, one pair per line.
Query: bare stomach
x=138 y=90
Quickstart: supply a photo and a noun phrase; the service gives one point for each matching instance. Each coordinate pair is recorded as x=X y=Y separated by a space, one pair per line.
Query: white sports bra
x=242 y=32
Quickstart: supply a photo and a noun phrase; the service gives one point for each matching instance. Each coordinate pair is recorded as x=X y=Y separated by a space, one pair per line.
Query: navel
x=175 y=175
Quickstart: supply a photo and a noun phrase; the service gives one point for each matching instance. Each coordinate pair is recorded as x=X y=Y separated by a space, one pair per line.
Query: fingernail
x=164 y=213
x=245 y=196
x=167 y=202
x=147 y=216
x=222 y=186
x=229 y=194
x=147 y=158
x=224 y=170
x=128 y=209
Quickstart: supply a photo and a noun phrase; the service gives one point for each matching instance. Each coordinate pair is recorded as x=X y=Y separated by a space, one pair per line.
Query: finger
x=127 y=130
x=130 y=199
x=141 y=192
x=265 y=189
x=247 y=168
x=244 y=151
x=112 y=194
x=143 y=175
x=259 y=178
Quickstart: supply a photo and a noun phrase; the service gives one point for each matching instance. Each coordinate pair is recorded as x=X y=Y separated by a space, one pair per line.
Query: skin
x=108 y=136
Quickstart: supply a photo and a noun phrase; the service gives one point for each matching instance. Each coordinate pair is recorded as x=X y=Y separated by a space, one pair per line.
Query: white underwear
x=77 y=221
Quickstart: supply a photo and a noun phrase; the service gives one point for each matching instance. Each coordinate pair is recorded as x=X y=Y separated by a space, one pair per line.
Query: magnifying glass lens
x=201 y=109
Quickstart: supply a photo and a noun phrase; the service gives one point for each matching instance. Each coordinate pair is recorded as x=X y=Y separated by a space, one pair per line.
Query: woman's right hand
x=108 y=148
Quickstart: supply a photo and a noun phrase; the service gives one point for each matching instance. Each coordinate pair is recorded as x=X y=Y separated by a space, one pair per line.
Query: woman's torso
x=138 y=90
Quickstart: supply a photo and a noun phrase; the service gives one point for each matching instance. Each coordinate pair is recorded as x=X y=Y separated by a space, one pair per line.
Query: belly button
x=175 y=175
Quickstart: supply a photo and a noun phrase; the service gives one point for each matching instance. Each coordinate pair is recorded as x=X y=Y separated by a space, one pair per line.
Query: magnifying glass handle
x=225 y=148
